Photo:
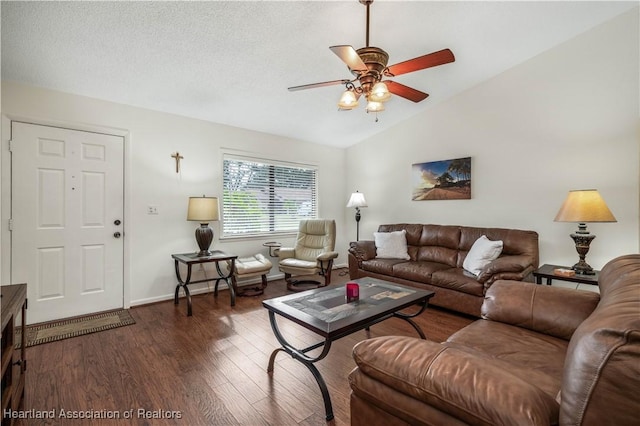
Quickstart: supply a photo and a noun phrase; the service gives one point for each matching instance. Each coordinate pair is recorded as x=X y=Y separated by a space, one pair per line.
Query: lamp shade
x=348 y=100
x=357 y=200
x=379 y=92
x=585 y=205
x=373 y=106
x=203 y=209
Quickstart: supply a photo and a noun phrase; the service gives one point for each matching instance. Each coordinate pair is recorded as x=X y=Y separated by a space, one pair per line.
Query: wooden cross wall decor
x=177 y=157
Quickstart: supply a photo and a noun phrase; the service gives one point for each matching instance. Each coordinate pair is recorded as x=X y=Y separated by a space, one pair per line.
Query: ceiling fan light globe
x=380 y=92
x=374 y=106
x=348 y=100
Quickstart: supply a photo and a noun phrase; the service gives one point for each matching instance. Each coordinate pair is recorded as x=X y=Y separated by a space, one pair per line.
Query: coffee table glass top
x=325 y=309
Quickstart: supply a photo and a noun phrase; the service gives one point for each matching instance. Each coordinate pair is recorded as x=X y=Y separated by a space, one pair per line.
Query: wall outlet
x=152 y=209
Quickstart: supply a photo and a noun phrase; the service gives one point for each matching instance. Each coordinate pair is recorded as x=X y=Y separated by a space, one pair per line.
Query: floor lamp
x=357 y=200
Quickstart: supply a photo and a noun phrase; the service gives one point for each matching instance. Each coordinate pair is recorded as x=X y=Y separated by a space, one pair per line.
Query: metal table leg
x=408 y=317
x=184 y=284
x=225 y=277
x=300 y=355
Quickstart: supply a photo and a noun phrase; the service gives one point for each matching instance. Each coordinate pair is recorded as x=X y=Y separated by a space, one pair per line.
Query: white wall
x=151 y=178
x=567 y=119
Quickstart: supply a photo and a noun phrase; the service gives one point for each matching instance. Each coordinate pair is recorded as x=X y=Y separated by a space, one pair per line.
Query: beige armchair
x=312 y=254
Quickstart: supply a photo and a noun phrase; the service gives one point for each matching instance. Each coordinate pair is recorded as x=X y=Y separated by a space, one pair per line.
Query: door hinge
x=10 y=224
x=10 y=145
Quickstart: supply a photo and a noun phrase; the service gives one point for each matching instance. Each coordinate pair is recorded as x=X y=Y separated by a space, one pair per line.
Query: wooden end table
x=546 y=271
x=191 y=259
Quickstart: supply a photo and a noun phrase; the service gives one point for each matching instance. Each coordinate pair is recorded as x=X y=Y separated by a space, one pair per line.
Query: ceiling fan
x=369 y=66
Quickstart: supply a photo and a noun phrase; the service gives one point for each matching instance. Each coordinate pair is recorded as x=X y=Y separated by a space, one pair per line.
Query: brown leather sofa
x=541 y=355
x=437 y=253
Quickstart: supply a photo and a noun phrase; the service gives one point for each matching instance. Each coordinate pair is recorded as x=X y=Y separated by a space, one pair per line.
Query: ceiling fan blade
x=350 y=57
x=314 y=85
x=405 y=91
x=434 y=59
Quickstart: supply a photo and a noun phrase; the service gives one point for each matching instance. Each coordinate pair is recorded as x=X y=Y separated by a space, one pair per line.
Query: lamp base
x=583 y=239
x=204 y=237
x=583 y=268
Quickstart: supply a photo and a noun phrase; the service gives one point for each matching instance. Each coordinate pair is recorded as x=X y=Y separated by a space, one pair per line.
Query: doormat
x=73 y=327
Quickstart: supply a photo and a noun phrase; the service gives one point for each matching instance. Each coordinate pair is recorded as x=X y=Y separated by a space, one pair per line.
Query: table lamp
x=583 y=206
x=204 y=210
x=357 y=200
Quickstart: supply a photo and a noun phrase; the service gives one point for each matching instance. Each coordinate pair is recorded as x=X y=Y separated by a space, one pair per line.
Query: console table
x=14 y=363
x=191 y=259
x=546 y=271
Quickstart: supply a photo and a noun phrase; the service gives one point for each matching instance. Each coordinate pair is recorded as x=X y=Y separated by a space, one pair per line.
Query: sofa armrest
x=363 y=250
x=461 y=384
x=506 y=267
x=555 y=311
x=327 y=255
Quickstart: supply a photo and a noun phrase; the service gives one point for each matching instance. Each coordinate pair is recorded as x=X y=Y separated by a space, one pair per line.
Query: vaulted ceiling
x=231 y=61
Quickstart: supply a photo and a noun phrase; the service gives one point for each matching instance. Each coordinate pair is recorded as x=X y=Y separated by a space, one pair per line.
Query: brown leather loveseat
x=541 y=355
x=437 y=253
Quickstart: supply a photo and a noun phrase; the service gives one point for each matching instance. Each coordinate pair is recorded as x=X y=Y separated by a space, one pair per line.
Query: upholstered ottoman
x=247 y=267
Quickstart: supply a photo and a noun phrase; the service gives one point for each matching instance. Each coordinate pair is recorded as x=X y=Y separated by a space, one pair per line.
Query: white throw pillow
x=391 y=245
x=482 y=252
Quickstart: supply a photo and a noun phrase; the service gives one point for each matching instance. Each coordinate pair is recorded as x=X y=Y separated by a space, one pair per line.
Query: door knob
x=116 y=234
x=117 y=222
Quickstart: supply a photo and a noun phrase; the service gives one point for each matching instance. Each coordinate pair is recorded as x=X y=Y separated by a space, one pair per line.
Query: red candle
x=353 y=292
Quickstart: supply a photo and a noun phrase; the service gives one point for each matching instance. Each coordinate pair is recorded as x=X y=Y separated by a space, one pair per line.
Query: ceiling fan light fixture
x=369 y=66
x=348 y=100
x=375 y=106
x=380 y=92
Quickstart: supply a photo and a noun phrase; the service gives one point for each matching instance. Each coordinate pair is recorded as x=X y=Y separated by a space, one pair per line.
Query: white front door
x=67 y=209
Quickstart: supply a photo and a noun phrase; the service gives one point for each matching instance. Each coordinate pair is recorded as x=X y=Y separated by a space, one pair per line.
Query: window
x=261 y=197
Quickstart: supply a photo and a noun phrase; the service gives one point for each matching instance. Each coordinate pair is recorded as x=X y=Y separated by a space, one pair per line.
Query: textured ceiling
x=231 y=62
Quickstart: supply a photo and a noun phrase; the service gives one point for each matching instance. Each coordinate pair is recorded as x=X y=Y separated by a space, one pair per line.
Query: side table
x=274 y=247
x=546 y=271
x=191 y=259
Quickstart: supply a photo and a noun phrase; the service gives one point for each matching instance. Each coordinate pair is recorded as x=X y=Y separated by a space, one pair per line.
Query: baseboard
x=202 y=288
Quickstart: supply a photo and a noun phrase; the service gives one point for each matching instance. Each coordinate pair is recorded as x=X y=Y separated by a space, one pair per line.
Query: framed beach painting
x=442 y=180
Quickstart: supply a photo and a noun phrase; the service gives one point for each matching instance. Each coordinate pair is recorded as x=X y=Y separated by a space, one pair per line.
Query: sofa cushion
x=380 y=266
x=414 y=231
x=538 y=308
x=474 y=390
x=391 y=245
x=458 y=279
x=417 y=271
x=535 y=357
x=482 y=252
x=515 y=242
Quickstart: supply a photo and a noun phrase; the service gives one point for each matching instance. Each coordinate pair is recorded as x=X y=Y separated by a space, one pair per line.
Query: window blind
x=261 y=197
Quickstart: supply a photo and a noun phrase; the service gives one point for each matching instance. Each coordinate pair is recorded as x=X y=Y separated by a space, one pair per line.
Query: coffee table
x=325 y=312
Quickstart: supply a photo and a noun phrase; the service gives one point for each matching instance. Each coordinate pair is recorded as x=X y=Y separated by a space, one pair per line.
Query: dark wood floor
x=211 y=367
